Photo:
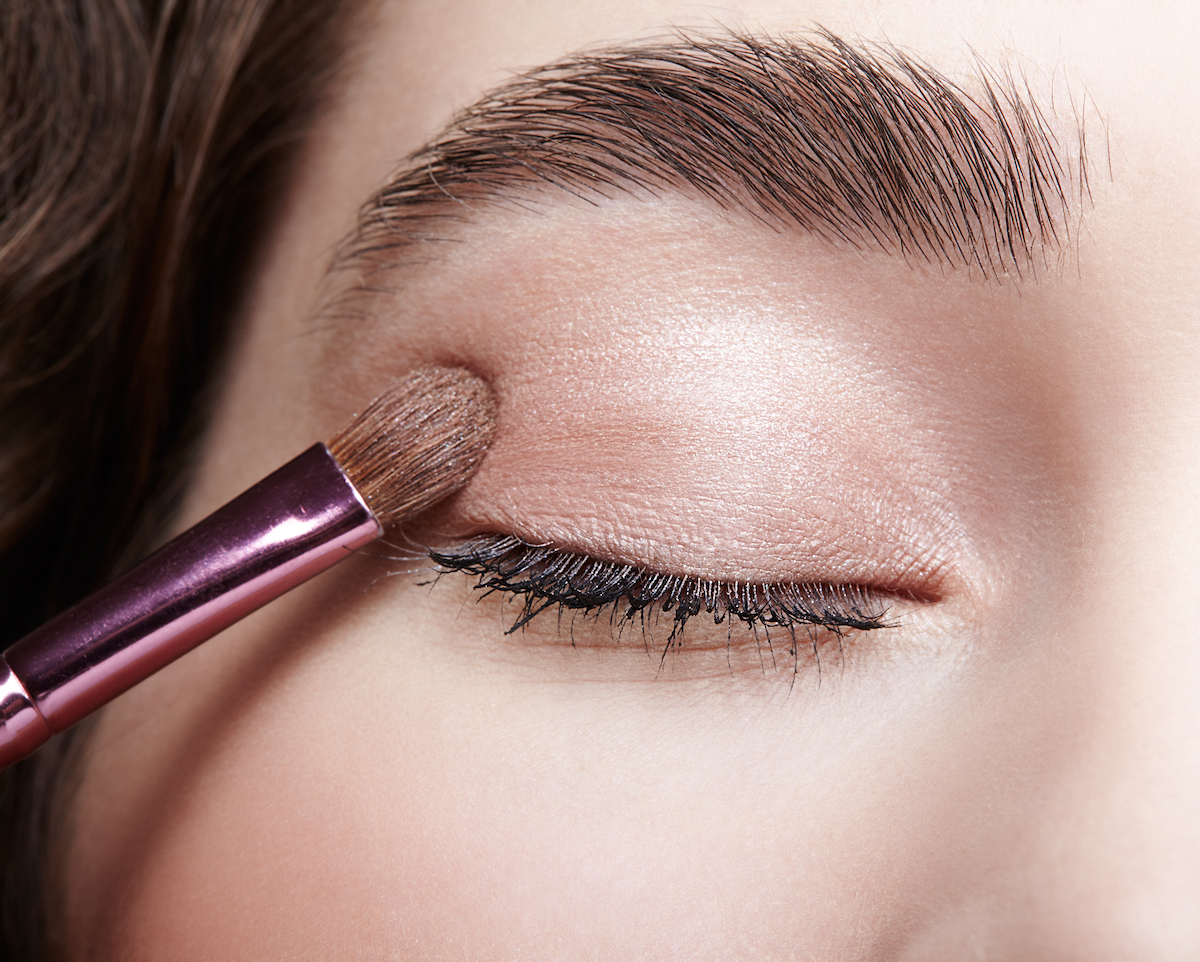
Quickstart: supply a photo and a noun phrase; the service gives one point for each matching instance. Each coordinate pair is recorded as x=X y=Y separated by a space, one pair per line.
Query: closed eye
x=543 y=578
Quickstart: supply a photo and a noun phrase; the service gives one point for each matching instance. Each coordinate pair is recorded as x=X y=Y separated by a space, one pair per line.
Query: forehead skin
x=370 y=769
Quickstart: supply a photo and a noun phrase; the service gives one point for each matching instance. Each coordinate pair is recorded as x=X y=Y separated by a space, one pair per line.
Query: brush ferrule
x=290 y=526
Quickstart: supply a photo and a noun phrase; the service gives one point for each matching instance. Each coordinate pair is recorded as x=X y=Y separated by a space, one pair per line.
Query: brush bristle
x=418 y=442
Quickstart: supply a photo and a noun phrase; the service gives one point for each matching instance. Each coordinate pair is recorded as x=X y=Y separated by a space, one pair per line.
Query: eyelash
x=545 y=578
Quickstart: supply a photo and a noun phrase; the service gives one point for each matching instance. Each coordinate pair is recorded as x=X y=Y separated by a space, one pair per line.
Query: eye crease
x=543 y=578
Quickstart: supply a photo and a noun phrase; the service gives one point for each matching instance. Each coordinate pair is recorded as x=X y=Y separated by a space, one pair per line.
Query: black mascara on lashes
x=544 y=578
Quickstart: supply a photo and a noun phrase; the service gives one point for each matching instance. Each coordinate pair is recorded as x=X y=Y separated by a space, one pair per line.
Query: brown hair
x=144 y=145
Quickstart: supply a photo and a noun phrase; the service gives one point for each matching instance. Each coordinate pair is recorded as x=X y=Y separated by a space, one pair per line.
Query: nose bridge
x=1078 y=799
x=1113 y=857
x=1109 y=862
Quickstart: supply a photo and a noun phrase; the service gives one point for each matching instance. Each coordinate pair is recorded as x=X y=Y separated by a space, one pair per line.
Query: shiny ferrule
x=289 y=527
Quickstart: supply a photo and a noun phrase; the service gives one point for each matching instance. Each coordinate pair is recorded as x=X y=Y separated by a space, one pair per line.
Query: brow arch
x=862 y=145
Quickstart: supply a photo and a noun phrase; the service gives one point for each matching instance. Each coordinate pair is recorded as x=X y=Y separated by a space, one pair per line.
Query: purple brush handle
x=290 y=526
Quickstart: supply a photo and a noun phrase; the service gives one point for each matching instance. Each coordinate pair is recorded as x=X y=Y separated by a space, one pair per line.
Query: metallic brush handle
x=290 y=526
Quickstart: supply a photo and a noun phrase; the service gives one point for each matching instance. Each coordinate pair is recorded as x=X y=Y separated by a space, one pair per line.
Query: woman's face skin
x=371 y=769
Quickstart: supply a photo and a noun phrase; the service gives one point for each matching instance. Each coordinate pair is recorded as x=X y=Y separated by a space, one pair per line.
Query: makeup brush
x=415 y=444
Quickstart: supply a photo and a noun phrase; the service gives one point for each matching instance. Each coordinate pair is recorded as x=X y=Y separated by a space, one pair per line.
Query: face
x=989 y=445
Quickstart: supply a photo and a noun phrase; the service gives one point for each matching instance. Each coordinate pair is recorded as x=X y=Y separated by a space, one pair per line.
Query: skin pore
x=371 y=768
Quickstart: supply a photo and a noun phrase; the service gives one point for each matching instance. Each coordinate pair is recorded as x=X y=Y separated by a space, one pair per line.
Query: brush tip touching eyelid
x=418 y=442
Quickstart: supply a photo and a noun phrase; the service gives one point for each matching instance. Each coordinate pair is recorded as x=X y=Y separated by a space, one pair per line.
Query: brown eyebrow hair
x=861 y=145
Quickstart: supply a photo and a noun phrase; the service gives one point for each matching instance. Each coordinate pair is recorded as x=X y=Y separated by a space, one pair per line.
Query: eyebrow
x=863 y=146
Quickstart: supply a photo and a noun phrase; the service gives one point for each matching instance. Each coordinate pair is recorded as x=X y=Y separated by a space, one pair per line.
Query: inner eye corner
x=921 y=595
